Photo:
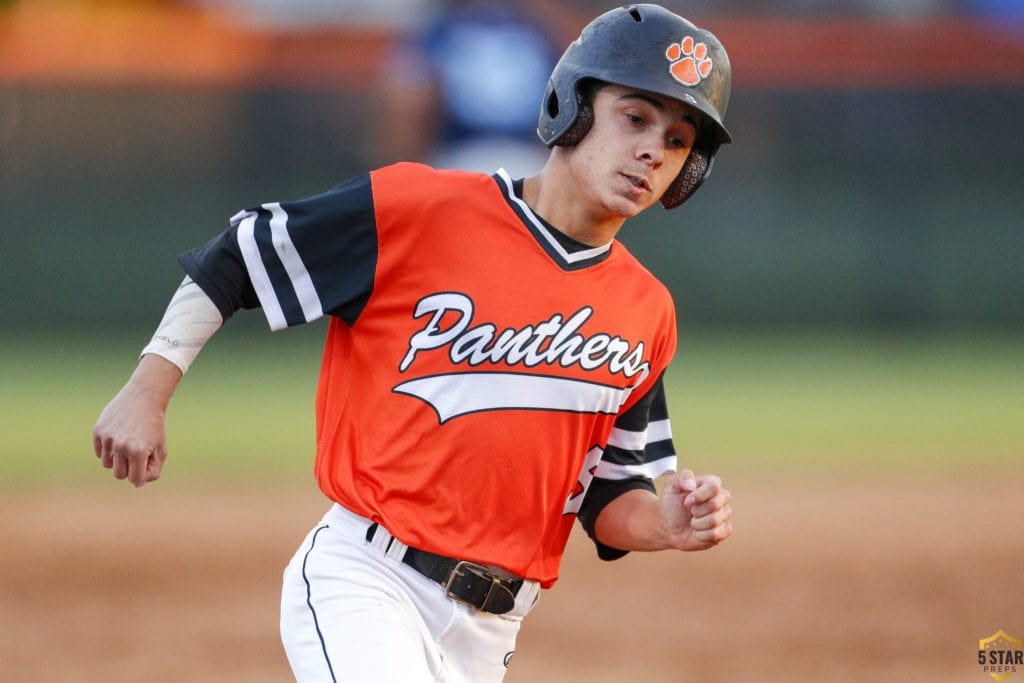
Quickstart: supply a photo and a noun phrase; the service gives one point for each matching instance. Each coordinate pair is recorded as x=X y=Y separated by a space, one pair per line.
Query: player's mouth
x=637 y=182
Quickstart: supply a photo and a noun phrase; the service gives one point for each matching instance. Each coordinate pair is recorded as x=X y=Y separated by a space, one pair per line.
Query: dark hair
x=589 y=87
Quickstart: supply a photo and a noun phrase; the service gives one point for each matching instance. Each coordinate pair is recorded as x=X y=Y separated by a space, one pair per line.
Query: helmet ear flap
x=693 y=173
x=581 y=126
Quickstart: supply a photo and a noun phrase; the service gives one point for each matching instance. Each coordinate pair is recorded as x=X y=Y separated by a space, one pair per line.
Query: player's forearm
x=191 y=319
x=633 y=522
x=156 y=378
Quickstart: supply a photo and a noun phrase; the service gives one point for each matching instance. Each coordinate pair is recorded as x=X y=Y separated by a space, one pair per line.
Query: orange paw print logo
x=690 y=61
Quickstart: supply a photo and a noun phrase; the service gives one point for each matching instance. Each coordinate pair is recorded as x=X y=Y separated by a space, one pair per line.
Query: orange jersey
x=477 y=375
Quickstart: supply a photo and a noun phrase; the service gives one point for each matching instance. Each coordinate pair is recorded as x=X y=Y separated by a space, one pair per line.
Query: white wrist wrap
x=191 y=319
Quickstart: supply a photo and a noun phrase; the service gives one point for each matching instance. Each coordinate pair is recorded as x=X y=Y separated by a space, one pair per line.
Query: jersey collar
x=568 y=259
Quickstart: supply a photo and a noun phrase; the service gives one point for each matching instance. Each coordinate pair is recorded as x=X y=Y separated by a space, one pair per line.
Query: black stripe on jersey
x=656 y=450
x=651 y=408
x=600 y=493
x=622 y=456
x=284 y=291
x=336 y=234
x=544 y=233
x=218 y=268
x=664 y=448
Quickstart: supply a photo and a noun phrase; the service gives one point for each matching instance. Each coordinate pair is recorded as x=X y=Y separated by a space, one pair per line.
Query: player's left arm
x=623 y=510
x=691 y=513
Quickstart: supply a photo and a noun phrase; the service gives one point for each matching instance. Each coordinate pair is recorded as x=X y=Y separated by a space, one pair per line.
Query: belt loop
x=395 y=549
x=381 y=539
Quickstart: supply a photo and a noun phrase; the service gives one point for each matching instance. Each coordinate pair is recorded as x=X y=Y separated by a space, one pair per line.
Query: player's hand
x=130 y=435
x=696 y=511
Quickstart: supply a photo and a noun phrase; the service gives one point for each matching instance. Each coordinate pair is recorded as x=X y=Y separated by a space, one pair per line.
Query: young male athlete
x=492 y=369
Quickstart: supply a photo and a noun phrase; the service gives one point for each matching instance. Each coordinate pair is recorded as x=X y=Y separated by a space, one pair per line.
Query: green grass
x=244 y=410
x=850 y=398
x=756 y=400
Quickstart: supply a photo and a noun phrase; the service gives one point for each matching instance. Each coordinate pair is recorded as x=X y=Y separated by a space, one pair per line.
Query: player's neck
x=547 y=195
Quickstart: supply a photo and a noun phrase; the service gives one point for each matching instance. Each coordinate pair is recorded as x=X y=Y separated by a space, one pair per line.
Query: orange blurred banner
x=153 y=44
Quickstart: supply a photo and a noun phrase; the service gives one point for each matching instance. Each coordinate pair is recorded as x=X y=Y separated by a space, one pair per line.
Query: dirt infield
x=853 y=578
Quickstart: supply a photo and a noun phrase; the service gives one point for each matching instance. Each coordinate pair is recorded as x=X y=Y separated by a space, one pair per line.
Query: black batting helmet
x=649 y=48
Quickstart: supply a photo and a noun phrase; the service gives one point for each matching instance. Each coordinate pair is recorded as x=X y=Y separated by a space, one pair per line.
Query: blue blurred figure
x=1007 y=12
x=464 y=91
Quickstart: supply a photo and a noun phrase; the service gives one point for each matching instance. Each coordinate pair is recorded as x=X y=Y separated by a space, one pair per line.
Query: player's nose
x=651 y=148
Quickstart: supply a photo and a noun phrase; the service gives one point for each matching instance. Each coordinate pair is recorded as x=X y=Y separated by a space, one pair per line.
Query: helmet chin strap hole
x=552 y=105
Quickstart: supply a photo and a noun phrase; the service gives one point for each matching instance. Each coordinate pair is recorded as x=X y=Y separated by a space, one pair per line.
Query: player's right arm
x=130 y=435
x=296 y=261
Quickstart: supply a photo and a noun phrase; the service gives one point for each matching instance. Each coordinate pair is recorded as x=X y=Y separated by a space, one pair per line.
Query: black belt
x=467 y=582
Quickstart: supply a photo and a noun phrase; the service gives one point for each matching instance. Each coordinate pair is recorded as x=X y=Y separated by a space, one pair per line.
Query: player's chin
x=638 y=197
x=629 y=206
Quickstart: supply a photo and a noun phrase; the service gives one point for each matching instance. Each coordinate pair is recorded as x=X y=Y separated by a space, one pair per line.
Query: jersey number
x=572 y=505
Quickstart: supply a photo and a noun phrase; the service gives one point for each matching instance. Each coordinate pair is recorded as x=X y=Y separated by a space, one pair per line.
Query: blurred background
x=874 y=181
x=869 y=211
x=850 y=280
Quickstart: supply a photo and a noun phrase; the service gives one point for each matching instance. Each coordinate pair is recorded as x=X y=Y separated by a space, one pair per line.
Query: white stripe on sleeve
x=652 y=470
x=312 y=309
x=659 y=430
x=257 y=272
x=627 y=440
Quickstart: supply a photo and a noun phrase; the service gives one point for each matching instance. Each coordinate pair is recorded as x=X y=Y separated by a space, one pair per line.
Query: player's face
x=636 y=148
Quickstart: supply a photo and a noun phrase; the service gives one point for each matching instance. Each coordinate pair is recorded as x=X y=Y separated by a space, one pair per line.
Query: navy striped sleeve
x=217 y=267
x=298 y=260
x=639 y=450
x=640 y=444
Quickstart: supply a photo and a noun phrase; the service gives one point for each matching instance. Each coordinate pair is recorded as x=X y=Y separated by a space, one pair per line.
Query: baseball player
x=492 y=370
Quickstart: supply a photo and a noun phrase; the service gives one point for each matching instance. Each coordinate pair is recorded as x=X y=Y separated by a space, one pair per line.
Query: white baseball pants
x=351 y=611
